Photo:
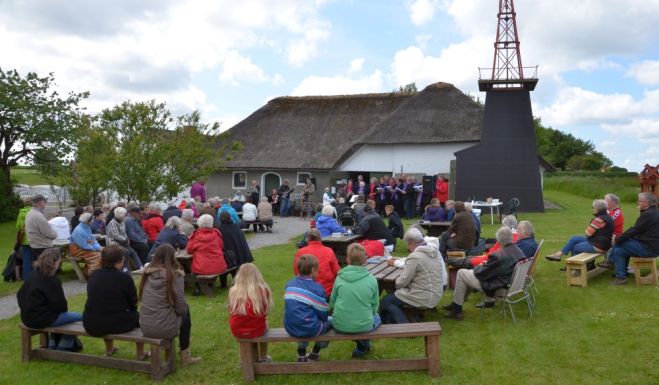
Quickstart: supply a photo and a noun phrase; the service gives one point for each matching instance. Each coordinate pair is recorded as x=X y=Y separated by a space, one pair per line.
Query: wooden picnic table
x=386 y=275
x=435 y=229
x=340 y=245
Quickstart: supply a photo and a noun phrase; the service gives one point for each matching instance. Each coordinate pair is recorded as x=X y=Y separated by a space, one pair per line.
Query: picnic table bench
x=339 y=245
x=576 y=268
x=205 y=281
x=435 y=229
x=156 y=367
x=385 y=275
x=645 y=263
x=429 y=330
x=66 y=256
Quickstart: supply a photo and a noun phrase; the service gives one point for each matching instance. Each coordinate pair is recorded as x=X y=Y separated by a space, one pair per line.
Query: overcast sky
x=599 y=59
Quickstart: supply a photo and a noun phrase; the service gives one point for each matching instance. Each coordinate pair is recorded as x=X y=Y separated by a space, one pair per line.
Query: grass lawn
x=28 y=176
x=595 y=335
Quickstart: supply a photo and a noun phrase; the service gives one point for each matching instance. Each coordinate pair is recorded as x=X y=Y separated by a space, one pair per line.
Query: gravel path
x=283 y=230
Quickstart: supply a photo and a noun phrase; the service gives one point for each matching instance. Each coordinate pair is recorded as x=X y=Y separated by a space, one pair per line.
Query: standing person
x=613 y=209
x=328 y=266
x=398 y=197
x=355 y=299
x=42 y=301
x=164 y=312
x=40 y=235
x=249 y=302
x=22 y=236
x=111 y=306
x=409 y=198
x=116 y=235
x=284 y=193
x=254 y=192
x=275 y=201
x=640 y=240
x=198 y=189
x=307 y=205
x=306 y=310
x=441 y=189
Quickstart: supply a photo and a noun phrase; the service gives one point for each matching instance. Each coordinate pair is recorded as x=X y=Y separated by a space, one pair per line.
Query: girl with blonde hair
x=249 y=302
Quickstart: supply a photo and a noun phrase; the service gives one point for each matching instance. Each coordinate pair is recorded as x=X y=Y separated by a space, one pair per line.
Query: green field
x=596 y=335
x=28 y=176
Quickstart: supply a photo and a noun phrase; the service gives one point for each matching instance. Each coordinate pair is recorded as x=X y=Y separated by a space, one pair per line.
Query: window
x=239 y=179
x=302 y=177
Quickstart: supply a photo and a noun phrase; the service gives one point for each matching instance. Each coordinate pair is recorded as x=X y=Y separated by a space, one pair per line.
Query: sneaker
x=303 y=358
x=265 y=360
x=455 y=315
x=313 y=357
x=556 y=257
x=360 y=353
x=619 y=282
x=606 y=265
x=485 y=305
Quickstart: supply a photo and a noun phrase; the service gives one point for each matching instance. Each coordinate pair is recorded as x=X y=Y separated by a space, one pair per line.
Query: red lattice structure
x=649 y=179
x=507 y=71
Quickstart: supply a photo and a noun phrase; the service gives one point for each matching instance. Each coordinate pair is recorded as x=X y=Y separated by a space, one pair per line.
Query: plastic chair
x=530 y=282
x=516 y=291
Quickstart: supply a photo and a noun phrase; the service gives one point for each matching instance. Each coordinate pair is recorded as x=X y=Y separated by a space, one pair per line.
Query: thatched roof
x=317 y=132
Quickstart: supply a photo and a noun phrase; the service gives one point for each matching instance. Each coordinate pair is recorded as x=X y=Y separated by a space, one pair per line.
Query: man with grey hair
x=613 y=208
x=640 y=241
x=40 y=235
x=139 y=241
x=419 y=285
x=494 y=274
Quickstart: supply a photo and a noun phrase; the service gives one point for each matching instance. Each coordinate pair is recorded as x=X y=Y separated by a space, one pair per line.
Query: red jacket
x=441 y=190
x=477 y=260
x=328 y=267
x=618 y=221
x=205 y=245
x=373 y=247
x=249 y=325
x=152 y=225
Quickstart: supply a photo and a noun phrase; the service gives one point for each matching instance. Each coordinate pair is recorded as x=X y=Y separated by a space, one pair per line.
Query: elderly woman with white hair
x=206 y=247
x=115 y=234
x=170 y=234
x=419 y=285
x=84 y=245
x=187 y=216
x=327 y=224
x=598 y=235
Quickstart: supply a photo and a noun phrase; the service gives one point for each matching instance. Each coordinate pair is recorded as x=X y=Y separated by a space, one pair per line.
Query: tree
x=408 y=89
x=33 y=120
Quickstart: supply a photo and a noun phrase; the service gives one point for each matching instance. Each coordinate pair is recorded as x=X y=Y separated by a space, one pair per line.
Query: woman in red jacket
x=205 y=245
x=441 y=189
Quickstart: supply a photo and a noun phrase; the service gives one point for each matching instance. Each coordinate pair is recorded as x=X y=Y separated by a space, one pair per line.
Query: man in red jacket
x=328 y=267
x=441 y=189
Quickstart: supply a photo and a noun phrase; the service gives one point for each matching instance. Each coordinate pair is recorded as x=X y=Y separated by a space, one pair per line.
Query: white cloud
x=422 y=11
x=238 y=68
x=304 y=49
x=339 y=85
x=645 y=72
x=278 y=80
x=356 y=65
x=640 y=128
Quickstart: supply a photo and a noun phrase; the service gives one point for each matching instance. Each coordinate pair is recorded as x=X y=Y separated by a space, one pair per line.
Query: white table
x=491 y=205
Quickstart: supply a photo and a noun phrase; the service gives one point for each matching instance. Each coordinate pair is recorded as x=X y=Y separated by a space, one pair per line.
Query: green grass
x=28 y=176
x=595 y=335
x=592 y=186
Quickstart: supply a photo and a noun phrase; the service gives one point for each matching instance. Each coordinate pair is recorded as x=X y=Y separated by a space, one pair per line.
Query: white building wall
x=427 y=159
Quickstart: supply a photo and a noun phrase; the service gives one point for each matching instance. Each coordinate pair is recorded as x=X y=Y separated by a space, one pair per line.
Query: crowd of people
x=321 y=295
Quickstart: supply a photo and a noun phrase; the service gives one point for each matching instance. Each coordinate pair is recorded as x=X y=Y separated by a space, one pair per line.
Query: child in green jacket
x=355 y=299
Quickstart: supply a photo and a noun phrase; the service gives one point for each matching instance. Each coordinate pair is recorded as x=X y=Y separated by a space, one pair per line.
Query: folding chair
x=516 y=291
x=530 y=282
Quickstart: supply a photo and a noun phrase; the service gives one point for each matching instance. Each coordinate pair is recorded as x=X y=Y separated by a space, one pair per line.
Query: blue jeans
x=286 y=207
x=363 y=345
x=622 y=251
x=65 y=341
x=320 y=344
x=391 y=310
x=27 y=262
x=577 y=245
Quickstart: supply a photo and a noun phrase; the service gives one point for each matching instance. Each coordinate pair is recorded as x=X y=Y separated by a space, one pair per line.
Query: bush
x=9 y=202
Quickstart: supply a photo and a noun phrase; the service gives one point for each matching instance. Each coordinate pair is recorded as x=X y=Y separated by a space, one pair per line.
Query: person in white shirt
x=327 y=197
x=250 y=213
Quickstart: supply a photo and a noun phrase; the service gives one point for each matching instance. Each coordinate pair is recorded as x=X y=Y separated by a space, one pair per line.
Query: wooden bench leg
x=26 y=345
x=156 y=367
x=432 y=353
x=81 y=276
x=170 y=356
x=248 y=354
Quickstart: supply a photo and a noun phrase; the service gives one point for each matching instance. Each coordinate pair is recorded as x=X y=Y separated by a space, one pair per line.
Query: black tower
x=504 y=164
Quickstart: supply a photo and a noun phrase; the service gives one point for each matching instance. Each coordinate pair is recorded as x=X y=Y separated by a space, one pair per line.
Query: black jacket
x=234 y=240
x=111 y=303
x=373 y=227
x=171 y=211
x=41 y=300
x=396 y=226
x=645 y=230
x=602 y=237
x=497 y=272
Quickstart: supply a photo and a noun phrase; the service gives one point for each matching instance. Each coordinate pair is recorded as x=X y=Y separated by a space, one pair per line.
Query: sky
x=598 y=59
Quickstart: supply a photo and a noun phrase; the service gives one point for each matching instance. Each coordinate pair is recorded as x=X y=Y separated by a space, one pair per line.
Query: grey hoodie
x=159 y=319
x=420 y=285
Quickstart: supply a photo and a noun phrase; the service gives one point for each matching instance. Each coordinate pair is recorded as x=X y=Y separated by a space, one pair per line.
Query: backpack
x=15 y=259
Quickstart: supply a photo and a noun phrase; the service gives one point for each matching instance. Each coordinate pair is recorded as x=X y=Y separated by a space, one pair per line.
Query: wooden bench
x=579 y=264
x=157 y=368
x=453 y=271
x=645 y=263
x=429 y=330
x=206 y=282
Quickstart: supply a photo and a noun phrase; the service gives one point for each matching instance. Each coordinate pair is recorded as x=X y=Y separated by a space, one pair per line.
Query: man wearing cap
x=139 y=241
x=39 y=233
